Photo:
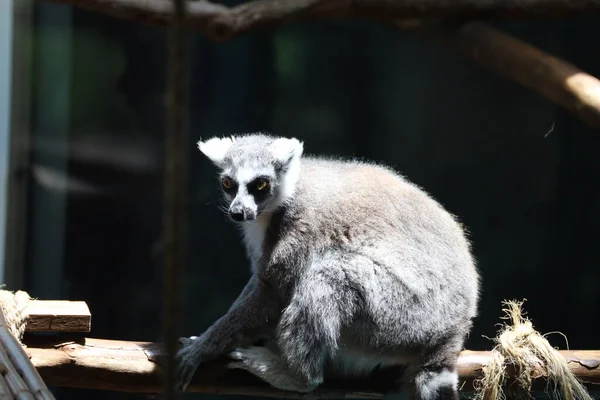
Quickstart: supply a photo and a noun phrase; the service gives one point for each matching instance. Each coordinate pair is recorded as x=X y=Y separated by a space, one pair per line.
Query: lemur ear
x=216 y=148
x=285 y=150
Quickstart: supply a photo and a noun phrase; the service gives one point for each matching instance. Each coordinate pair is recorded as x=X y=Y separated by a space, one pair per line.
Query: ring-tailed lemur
x=353 y=267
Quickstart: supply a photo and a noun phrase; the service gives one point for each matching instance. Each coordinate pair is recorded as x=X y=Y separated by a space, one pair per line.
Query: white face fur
x=258 y=172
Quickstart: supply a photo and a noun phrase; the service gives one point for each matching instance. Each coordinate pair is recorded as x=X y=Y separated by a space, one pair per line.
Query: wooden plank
x=58 y=316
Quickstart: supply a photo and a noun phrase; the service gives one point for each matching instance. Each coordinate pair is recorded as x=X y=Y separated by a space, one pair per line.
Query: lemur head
x=258 y=172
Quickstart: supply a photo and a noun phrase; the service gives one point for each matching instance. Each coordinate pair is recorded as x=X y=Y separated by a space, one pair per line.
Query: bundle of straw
x=529 y=354
x=18 y=377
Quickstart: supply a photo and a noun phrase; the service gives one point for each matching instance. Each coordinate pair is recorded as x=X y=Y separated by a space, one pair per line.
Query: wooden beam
x=134 y=367
x=219 y=22
x=58 y=316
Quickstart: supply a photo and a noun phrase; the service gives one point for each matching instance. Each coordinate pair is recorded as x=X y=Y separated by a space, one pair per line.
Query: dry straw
x=18 y=377
x=529 y=356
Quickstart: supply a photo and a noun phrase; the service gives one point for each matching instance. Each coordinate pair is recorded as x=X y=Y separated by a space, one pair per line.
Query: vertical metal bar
x=175 y=191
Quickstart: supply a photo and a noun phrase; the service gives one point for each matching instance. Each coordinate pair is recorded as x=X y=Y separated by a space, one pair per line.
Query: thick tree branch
x=133 y=367
x=555 y=79
x=219 y=22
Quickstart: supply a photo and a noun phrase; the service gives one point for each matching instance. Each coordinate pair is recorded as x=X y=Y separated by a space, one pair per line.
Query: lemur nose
x=249 y=215
x=237 y=214
x=240 y=214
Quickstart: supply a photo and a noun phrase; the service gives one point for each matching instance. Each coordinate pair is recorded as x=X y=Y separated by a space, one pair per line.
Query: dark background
x=521 y=173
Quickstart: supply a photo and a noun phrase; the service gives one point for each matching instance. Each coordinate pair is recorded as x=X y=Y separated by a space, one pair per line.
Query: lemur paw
x=252 y=359
x=268 y=366
x=187 y=360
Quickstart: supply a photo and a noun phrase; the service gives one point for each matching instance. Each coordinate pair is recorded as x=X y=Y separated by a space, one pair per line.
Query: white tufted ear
x=285 y=150
x=215 y=148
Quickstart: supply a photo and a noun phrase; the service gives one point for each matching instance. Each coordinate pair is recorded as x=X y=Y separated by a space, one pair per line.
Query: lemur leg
x=309 y=329
x=437 y=378
x=254 y=312
x=438 y=383
x=268 y=366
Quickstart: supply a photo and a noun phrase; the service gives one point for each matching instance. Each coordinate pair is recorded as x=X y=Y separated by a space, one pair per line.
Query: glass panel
x=52 y=76
x=6 y=28
x=473 y=140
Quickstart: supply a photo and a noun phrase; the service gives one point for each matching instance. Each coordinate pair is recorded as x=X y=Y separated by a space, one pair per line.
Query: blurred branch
x=555 y=79
x=219 y=22
x=133 y=367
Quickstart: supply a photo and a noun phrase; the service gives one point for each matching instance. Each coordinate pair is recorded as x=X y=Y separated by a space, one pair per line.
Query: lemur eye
x=262 y=184
x=227 y=183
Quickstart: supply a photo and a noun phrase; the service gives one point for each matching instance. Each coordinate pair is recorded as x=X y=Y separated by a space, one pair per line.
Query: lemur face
x=258 y=172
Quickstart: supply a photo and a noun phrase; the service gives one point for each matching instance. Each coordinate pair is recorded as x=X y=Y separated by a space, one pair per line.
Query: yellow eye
x=227 y=183
x=262 y=185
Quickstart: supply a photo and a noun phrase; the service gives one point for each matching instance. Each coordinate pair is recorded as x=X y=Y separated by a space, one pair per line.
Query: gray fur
x=352 y=267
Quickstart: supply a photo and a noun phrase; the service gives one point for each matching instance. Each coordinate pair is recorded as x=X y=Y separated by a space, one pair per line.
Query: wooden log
x=58 y=316
x=557 y=80
x=134 y=367
x=219 y=22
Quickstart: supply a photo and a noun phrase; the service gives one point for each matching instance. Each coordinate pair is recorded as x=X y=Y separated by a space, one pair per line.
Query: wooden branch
x=219 y=22
x=553 y=78
x=557 y=80
x=58 y=316
x=133 y=367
